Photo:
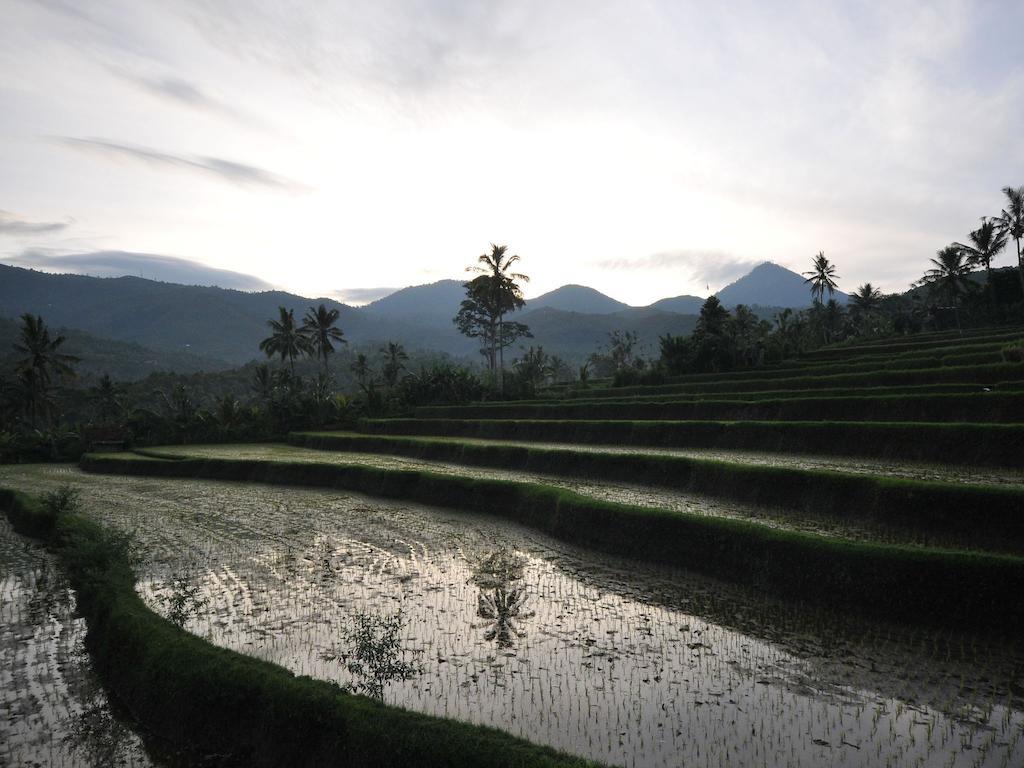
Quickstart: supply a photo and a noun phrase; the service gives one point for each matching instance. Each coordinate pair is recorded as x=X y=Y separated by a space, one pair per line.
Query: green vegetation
x=494 y=293
x=975 y=444
x=903 y=583
x=981 y=407
x=975 y=513
x=191 y=695
x=981 y=375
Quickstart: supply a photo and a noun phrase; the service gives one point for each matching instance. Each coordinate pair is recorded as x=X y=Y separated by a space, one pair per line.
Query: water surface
x=613 y=659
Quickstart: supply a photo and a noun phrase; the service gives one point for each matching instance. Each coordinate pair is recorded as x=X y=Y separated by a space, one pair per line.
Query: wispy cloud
x=13 y=225
x=188 y=94
x=152 y=266
x=701 y=266
x=225 y=170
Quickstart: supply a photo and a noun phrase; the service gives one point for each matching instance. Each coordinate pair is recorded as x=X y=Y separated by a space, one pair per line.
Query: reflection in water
x=623 y=662
x=501 y=602
x=53 y=710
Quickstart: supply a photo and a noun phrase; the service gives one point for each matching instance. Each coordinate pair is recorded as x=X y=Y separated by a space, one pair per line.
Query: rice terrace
x=498 y=518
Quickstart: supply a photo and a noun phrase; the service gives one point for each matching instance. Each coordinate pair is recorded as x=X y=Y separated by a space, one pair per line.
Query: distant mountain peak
x=440 y=298
x=771 y=285
x=577 y=298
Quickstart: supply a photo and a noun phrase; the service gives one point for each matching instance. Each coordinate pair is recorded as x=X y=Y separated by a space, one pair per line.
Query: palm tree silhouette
x=822 y=277
x=986 y=243
x=363 y=372
x=286 y=339
x=866 y=298
x=106 y=397
x=41 y=362
x=394 y=362
x=1011 y=224
x=949 y=274
x=318 y=325
x=505 y=294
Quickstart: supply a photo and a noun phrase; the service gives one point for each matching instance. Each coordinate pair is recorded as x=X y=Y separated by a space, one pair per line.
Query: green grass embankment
x=938 y=587
x=984 y=354
x=219 y=707
x=980 y=407
x=980 y=375
x=1000 y=445
x=977 y=515
x=580 y=396
x=912 y=345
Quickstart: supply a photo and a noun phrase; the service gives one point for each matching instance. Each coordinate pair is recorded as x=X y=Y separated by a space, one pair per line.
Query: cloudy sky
x=647 y=149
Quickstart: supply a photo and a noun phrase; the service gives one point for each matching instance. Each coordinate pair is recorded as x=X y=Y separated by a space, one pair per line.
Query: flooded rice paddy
x=53 y=711
x=819 y=522
x=623 y=662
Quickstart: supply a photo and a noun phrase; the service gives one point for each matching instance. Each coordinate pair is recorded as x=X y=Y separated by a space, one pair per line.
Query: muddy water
x=52 y=710
x=622 y=662
x=624 y=493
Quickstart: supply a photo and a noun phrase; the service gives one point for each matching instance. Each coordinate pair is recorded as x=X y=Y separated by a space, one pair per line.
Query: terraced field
x=609 y=658
x=53 y=710
x=818 y=563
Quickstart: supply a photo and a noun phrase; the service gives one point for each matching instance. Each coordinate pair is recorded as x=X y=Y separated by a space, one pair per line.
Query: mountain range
x=206 y=327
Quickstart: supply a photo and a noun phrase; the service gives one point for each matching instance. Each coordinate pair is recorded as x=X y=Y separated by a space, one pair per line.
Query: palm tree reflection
x=501 y=602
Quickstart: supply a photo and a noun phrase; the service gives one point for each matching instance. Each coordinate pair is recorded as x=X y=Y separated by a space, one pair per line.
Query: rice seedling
x=613 y=659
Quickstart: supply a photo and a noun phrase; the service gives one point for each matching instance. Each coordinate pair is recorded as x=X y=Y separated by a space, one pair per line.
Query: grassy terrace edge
x=996 y=513
x=996 y=407
x=999 y=445
x=238 y=709
x=982 y=375
x=936 y=587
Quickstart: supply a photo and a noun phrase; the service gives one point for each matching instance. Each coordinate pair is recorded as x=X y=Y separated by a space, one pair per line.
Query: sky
x=646 y=149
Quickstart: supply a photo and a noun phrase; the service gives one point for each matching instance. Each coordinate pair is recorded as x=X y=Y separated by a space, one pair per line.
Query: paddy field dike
x=819 y=562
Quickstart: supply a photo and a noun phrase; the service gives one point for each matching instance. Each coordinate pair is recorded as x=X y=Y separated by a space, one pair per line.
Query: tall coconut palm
x=286 y=339
x=822 y=277
x=363 y=372
x=42 y=361
x=949 y=274
x=505 y=293
x=394 y=362
x=986 y=243
x=1011 y=223
x=318 y=326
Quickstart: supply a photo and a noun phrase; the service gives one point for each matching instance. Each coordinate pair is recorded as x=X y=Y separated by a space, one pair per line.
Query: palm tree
x=318 y=325
x=986 y=243
x=950 y=273
x=41 y=362
x=866 y=298
x=263 y=381
x=1011 y=224
x=394 y=362
x=505 y=293
x=287 y=339
x=106 y=397
x=363 y=372
x=822 y=277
